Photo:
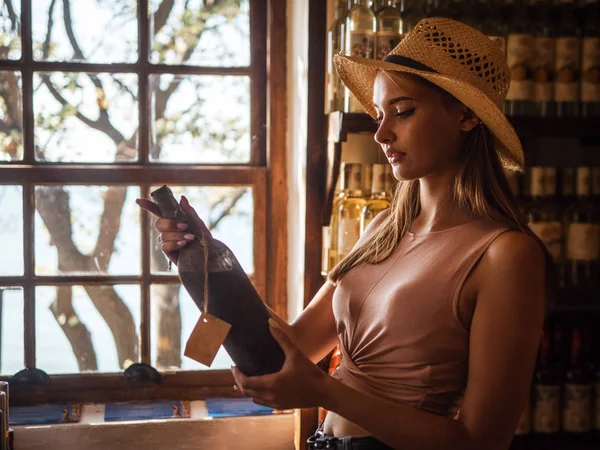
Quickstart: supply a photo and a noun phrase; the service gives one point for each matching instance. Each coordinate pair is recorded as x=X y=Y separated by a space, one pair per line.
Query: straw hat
x=457 y=58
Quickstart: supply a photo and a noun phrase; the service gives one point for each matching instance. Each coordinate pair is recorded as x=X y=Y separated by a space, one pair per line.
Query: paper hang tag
x=206 y=339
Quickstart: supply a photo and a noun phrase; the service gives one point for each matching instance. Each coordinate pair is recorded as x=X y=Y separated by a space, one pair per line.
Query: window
x=101 y=101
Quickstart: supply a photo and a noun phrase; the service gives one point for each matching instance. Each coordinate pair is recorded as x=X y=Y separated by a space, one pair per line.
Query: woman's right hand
x=175 y=235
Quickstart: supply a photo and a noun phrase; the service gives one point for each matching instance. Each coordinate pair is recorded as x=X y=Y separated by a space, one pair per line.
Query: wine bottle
x=334 y=222
x=389 y=29
x=568 y=61
x=349 y=212
x=582 y=246
x=577 y=405
x=360 y=34
x=231 y=295
x=590 y=64
x=544 y=44
x=546 y=410
x=333 y=47
x=379 y=200
x=519 y=55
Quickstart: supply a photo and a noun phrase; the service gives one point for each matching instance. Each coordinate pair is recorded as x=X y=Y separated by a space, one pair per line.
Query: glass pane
x=84 y=117
x=12 y=350
x=10 y=29
x=11 y=230
x=174 y=315
x=200 y=32
x=87 y=229
x=200 y=119
x=88 y=30
x=11 y=116
x=87 y=328
x=228 y=212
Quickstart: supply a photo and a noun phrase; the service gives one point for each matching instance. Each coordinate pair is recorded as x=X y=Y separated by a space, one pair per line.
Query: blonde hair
x=480 y=187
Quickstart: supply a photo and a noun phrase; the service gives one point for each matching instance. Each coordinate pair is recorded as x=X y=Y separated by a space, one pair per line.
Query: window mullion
x=29 y=287
x=145 y=344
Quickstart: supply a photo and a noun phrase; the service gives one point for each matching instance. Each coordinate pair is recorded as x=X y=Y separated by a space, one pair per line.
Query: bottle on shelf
x=590 y=60
x=519 y=55
x=341 y=195
x=360 y=36
x=349 y=212
x=544 y=44
x=546 y=398
x=568 y=60
x=582 y=243
x=577 y=404
x=333 y=47
x=379 y=200
x=390 y=28
x=544 y=219
x=390 y=181
x=367 y=180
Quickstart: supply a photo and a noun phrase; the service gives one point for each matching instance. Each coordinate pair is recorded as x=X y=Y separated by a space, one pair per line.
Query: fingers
x=169 y=225
x=171 y=241
x=149 y=206
x=197 y=222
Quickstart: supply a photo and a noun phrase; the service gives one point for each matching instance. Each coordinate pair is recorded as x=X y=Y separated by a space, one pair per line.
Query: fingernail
x=189 y=237
x=273 y=323
x=181 y=243
x=182 y=226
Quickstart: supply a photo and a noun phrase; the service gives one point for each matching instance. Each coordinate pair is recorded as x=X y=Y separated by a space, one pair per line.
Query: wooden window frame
x=265 y=174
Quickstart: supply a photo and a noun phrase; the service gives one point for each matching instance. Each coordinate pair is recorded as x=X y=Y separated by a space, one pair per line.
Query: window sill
x=274 y=432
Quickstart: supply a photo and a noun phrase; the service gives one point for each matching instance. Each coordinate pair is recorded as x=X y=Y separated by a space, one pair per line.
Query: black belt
x=322 y=441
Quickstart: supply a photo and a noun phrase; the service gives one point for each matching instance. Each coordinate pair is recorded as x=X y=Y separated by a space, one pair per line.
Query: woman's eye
x=406 y=113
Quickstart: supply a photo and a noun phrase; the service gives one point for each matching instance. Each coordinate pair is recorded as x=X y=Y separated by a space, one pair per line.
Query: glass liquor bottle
x=389 y=29
x=544 y=44
x=547 y=382
x=410 y=14
x=577 y=404
x=582 y=245
x=230 y=294
x=333 y=223
x=333 y=47
x=379 y=200
x=349 y=212
x=367 y=180
x=590 y=63
x=519 y=55
x=544 y=218
x=360 y=33
x=568 y=61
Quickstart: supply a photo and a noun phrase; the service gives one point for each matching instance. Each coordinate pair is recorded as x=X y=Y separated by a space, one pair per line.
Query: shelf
x=340 y=124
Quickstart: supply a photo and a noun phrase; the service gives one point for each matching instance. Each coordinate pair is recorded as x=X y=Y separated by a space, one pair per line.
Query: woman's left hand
x=299 y=383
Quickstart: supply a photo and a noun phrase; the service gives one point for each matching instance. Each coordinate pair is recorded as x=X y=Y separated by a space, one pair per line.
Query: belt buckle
x=325 y=442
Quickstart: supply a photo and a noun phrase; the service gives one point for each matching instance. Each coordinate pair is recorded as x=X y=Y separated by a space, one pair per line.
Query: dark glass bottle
x=547 y=384
x=519 y=54
x=232 y=296
x=582 y=243
x=568 y=60
x=590 y=63
x=577 y=404
x=544 y=59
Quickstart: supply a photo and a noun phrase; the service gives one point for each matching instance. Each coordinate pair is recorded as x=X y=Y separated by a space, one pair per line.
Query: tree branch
x=78 y=53
x=76 y=332
x=213 y=223
x=162 y=14
x=14 y=20
x=110 y=224
x=49 y=27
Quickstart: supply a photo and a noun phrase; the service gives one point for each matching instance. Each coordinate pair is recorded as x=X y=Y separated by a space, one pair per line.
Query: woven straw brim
x=359 y=74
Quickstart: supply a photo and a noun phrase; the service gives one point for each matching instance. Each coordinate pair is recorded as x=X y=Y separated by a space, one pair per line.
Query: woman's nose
x=384 y=134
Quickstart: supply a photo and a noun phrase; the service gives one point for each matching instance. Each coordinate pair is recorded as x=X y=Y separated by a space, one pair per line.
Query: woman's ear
x=468 y=120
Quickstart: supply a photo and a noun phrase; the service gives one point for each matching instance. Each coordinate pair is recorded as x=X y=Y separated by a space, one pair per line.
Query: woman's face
x=419 y=131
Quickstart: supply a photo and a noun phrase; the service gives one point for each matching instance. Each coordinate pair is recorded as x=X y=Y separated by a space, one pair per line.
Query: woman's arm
x=505 y=334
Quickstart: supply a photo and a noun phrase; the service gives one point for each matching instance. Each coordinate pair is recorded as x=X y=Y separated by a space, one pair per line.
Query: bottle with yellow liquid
x=350 y=211
x=340 y=196
x=379 y=200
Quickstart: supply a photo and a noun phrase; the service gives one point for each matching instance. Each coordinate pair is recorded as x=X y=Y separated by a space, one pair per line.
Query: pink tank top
x=397 y=321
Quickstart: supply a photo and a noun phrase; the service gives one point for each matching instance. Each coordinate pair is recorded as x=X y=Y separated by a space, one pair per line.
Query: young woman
x=439 y=308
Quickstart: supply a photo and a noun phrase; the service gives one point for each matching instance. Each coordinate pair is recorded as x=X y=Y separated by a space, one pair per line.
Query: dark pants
x=321 y=440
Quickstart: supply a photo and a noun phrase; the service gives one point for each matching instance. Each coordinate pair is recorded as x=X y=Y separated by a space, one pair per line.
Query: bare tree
x=52 y=202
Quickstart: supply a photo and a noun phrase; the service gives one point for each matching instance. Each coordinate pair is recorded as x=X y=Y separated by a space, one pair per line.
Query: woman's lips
x=396 y=157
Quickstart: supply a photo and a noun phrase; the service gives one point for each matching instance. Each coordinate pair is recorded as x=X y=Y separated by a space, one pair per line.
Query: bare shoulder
x=514 y=251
